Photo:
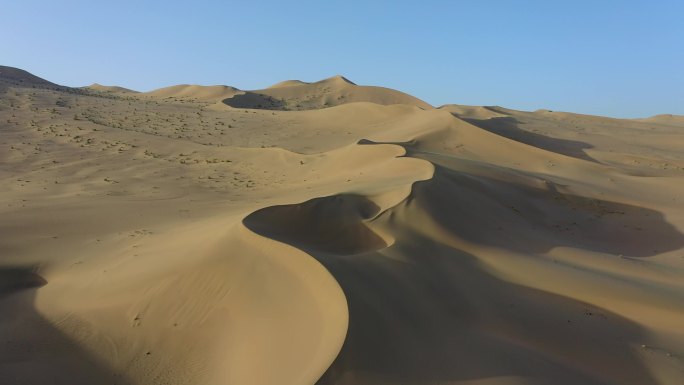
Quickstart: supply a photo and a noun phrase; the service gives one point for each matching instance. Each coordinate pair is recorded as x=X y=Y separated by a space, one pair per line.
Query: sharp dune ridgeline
x=335 y=234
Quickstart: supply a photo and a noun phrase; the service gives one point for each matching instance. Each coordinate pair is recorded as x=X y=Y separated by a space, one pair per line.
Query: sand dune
x=676 y=120
x=102 y=88
x=171 y=238
x=298 y=95
x=472 y=112
x=195 y=92
x=288 y=83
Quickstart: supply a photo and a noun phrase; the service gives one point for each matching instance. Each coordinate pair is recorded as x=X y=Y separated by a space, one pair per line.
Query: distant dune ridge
x=298 y=95
x=201 y=93
x=100 y=87
x=333 y=234
x=292 y=95
x=666 y=119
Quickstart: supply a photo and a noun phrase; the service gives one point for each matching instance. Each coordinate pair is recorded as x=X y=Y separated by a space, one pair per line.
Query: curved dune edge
x=241 y=301
x=489 y=316
x=304 y=332
x=334 y=226
x=256 y=300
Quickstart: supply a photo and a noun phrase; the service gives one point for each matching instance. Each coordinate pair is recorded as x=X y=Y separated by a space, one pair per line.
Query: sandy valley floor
x=334 y=234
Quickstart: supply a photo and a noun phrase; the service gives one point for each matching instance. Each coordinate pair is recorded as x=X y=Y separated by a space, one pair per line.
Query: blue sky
x=606 y=57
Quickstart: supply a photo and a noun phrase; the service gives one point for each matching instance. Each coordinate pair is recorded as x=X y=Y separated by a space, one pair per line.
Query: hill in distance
x=103 y=88
x=334 y=91
x=15 y=77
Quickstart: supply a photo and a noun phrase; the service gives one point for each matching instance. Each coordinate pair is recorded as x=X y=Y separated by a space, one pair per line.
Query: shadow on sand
x=332 y=225
x=509 y=127
x=255 y=100
x=32 y=350
x=533 y=220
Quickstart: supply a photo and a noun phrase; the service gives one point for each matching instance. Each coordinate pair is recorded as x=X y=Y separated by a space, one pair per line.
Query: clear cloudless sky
x=608 y=57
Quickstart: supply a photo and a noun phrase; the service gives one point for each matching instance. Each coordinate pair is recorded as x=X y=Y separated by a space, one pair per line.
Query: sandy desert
x=335 y=234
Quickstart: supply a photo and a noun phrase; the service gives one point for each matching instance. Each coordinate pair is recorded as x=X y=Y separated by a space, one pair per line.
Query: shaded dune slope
x=502 y=122
x=330 y=225
x=22 y=328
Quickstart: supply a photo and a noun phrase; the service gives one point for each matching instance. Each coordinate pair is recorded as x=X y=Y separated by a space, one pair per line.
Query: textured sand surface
x=331 y=233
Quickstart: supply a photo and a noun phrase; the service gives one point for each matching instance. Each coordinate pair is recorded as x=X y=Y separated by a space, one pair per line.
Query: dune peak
x=337 y=79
